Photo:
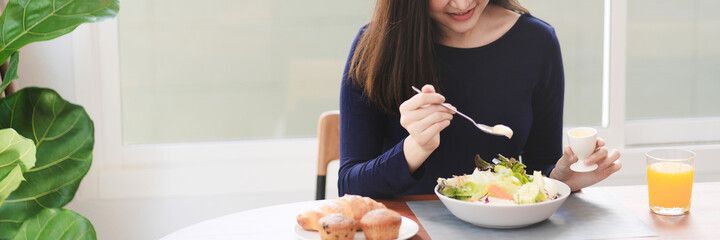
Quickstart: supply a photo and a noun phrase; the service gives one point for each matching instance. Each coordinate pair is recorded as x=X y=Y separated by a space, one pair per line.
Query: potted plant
x=46 y=142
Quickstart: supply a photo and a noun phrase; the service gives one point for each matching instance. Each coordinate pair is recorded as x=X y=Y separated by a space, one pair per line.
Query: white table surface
x=277 y=222
x=273 y=222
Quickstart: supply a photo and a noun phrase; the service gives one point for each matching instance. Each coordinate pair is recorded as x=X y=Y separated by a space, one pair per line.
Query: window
x=224 y=70
x=672 y=74
x=673 y=59
x=580 y=33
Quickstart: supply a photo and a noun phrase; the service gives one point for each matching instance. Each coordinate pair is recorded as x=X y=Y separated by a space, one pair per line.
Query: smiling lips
x=463 y=15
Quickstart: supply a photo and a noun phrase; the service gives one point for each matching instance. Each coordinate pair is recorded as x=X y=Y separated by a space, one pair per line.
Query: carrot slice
x=496 y=191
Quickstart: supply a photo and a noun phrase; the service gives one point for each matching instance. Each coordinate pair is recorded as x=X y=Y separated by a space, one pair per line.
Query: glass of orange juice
x=670 y=179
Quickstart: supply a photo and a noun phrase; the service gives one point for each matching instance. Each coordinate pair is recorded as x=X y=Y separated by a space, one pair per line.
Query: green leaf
x=53 y=223
x=26 y=21
x=17 y=155
x=63 y=135
x=11 y=73
x=10 y=182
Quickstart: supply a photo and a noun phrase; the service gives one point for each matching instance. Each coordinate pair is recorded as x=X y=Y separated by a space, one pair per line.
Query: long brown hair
x=396 y=51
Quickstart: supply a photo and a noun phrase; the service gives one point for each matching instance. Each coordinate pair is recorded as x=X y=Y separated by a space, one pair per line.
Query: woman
x=490 y=59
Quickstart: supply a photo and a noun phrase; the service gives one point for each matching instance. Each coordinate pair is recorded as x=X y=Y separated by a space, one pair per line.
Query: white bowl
x=505 y=216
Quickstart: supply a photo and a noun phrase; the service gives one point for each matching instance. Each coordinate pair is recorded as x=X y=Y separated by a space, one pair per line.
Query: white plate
x=408 y=228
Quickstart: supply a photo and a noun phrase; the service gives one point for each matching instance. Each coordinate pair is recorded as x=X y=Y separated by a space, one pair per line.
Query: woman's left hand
x=607 y=162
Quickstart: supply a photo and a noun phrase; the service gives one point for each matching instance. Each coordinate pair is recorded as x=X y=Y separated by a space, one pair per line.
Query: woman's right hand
x=423 y=117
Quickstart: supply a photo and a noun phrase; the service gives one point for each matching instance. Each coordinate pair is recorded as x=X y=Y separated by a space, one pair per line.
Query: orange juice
x=670 y=185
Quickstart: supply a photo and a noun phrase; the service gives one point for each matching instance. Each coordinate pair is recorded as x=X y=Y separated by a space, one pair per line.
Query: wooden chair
x=328 y=147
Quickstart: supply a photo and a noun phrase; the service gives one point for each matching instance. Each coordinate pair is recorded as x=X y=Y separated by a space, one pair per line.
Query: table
x=277 y=222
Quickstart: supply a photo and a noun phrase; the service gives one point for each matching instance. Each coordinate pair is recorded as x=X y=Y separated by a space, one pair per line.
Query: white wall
x=48 y=64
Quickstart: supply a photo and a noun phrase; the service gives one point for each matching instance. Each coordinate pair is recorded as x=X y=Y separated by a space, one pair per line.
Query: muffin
x=337 y=226
x=381 y=224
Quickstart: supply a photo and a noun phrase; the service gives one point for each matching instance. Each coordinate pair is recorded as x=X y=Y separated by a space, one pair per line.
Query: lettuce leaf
x=517 y=168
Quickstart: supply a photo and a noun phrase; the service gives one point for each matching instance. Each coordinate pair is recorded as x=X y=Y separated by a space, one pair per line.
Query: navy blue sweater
x=516 y=80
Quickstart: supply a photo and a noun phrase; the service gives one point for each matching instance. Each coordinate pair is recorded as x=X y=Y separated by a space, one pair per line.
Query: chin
x=460 y=27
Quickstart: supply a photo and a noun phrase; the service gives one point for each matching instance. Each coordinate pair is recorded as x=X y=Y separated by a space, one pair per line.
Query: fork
x=499 y=129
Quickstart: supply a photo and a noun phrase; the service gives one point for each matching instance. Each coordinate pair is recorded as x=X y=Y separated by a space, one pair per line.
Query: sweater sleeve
x=544 y=145
x=366 y=168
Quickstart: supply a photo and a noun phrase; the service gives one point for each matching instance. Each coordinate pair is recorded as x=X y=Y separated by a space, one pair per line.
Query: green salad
x=502 y=183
